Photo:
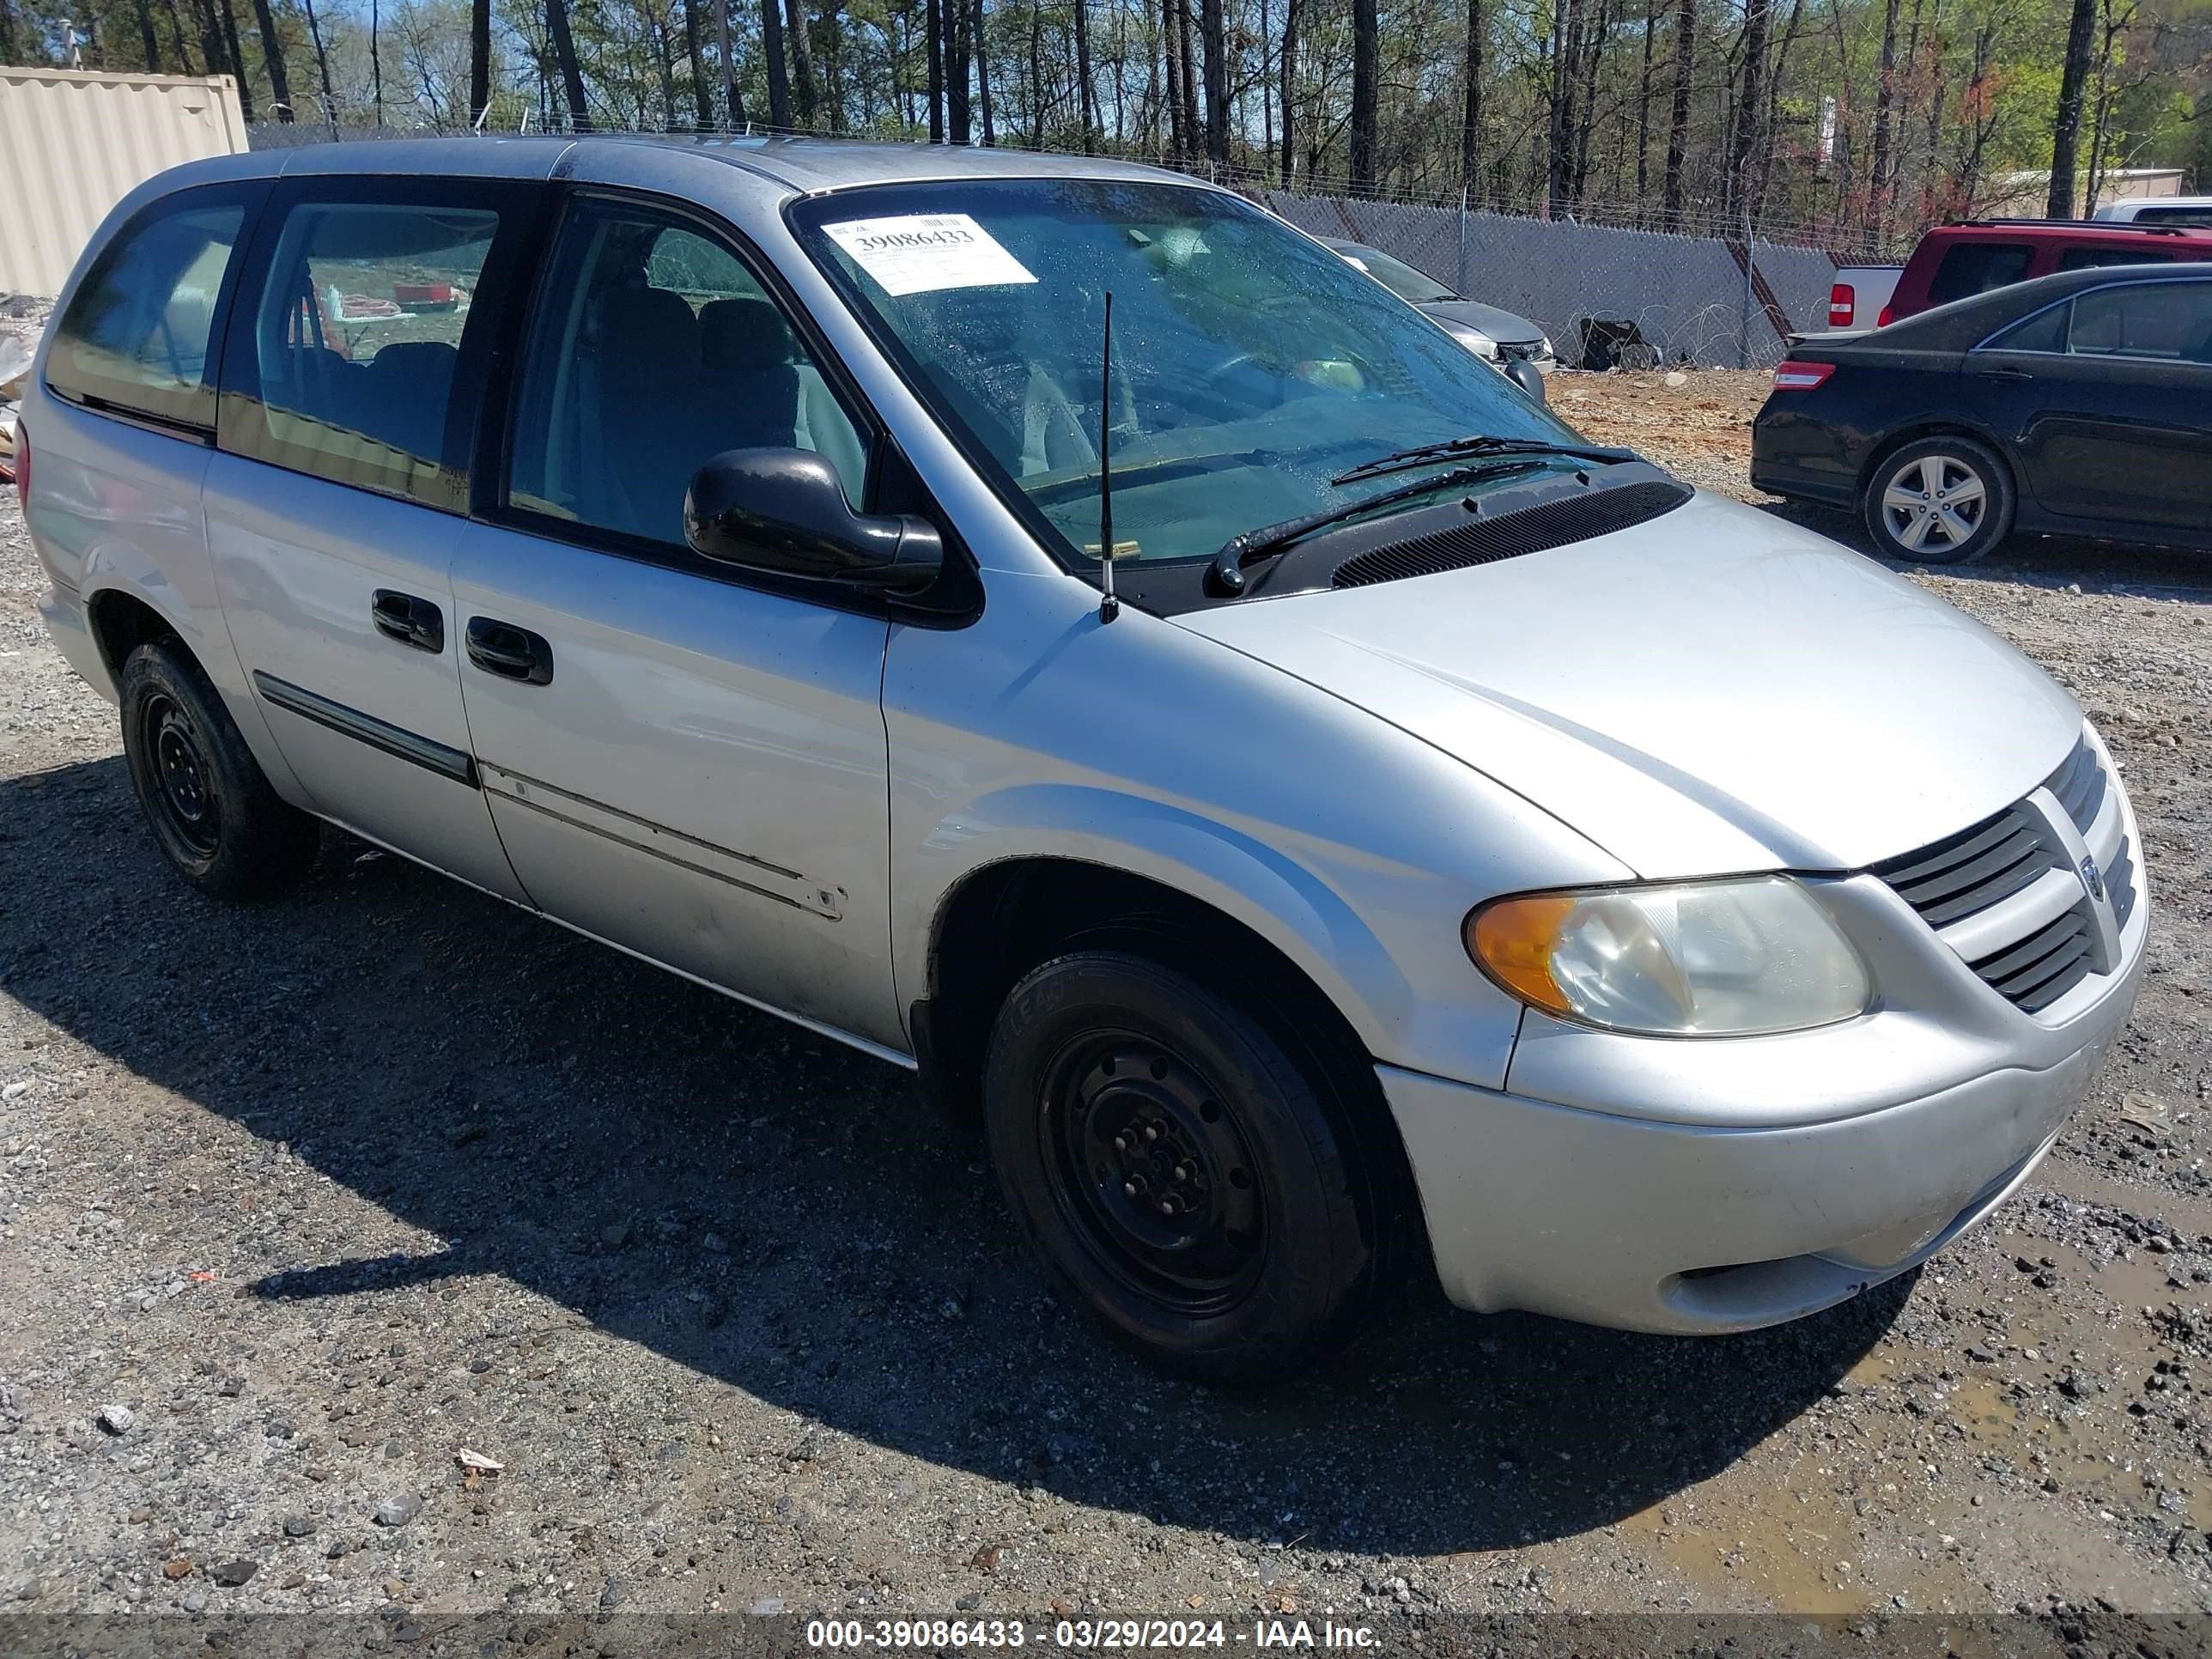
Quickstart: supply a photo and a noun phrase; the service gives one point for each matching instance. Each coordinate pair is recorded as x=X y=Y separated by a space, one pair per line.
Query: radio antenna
x=1109 y=606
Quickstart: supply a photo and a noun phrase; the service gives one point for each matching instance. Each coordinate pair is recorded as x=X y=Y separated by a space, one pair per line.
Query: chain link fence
x=1607 y=295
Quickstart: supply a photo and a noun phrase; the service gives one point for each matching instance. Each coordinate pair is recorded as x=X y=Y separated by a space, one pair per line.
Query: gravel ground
x=299 y=1205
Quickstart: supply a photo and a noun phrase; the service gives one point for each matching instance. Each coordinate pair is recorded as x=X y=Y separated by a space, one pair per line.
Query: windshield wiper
x=1454 y=448
x=1226 y=574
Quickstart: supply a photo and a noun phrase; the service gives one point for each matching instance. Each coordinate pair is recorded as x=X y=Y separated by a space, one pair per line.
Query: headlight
x=1719 y=959
x=1477 y=341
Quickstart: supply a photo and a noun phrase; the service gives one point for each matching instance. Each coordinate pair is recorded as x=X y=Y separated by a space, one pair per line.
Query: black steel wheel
x=1153 y=1171
x=189 y=809
x=1198 y=1180
x=211 y=808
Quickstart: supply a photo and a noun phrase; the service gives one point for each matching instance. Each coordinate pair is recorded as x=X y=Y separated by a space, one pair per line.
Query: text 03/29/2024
x=1083 y=1633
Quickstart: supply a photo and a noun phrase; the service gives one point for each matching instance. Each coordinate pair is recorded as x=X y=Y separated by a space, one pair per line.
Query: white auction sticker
x=918 y=252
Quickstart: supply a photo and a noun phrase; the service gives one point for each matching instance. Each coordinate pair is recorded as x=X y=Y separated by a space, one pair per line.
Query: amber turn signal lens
x=1513 y=940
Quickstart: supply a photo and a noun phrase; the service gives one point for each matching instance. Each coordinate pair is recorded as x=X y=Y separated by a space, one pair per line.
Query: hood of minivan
x=1711 y=691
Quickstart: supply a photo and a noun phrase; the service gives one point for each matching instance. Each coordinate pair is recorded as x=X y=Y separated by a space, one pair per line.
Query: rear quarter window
x=139 y=333
x=1977 y=267
x=2045 y=332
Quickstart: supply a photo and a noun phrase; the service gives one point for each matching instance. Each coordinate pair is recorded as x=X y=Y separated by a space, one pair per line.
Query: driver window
x=654 y=349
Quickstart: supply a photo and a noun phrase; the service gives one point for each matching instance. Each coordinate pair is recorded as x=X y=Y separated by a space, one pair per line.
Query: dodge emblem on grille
x=2092 y=881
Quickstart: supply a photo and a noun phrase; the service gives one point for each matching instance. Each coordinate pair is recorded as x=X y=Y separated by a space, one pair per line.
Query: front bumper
x=1656 y=1224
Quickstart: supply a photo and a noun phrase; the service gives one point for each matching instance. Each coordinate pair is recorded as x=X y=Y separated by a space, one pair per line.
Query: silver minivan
x=1427 y=838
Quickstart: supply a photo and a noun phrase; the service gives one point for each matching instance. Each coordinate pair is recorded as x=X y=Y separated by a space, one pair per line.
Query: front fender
x=1352 y=846
x=1232 y=872
x=1379 y=938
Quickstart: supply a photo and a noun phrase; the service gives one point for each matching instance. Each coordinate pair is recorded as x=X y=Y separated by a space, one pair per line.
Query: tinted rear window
x=355 y=344
x=1977 y=267
x=2174 y=215
x=2088 y=259
x=136 y=337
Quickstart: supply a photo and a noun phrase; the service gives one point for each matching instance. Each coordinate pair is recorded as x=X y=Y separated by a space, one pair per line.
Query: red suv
x=1955 y=261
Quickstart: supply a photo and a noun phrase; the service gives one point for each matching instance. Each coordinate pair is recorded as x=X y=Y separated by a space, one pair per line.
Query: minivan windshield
x=1251 y=365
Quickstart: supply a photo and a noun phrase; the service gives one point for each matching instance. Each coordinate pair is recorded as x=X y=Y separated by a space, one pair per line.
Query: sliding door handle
x=511 y=652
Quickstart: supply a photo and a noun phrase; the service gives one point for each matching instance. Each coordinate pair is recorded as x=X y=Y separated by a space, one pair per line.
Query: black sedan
x=2078 y=404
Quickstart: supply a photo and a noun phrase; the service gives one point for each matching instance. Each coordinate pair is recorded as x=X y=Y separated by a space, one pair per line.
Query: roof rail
x=2123 y=225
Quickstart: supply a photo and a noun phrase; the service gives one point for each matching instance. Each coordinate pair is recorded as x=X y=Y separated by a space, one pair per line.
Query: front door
x=339 y=488
x=2108 y=403
x=680 y=763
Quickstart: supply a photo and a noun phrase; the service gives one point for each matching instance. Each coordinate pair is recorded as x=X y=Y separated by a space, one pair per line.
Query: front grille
x=1971 y=871
x=1510 y=535
x=2120 y=882
x=2044 y=967
x=2080 y=786
x=2006 y=896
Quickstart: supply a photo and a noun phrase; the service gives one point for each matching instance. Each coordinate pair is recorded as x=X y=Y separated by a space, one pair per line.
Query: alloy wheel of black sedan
x=1933 y=501
x=1942 y=500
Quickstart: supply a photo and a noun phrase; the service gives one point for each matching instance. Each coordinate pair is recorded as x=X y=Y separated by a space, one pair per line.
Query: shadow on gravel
x=770 y=1211
x=2044 y=562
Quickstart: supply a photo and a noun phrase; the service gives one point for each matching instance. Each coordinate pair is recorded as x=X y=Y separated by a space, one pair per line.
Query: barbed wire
x=1696 y=217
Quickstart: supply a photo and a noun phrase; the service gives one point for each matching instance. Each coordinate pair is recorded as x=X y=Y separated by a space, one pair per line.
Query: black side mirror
x=784 y=511
x=1525 y=375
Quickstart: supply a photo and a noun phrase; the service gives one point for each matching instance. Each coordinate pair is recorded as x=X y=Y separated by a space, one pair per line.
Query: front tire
x=212 y=810
x=1193 y=1185
x=1939 y=500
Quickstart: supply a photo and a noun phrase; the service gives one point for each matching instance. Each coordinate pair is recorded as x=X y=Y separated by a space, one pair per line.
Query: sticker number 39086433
x=918 y=252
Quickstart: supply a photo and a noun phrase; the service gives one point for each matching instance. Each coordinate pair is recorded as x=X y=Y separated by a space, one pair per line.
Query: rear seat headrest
x=432 y=360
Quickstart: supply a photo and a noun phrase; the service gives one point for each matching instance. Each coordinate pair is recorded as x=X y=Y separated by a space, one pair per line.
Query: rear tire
x=1202 y=1193
x=212 y=812
x=1939 y=500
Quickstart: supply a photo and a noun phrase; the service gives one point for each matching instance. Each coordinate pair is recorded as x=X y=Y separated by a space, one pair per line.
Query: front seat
x=648 y=409
x=749 y=383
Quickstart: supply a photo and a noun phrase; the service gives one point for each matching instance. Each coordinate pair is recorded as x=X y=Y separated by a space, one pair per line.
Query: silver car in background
x=1428 y=835
x=1488 y=331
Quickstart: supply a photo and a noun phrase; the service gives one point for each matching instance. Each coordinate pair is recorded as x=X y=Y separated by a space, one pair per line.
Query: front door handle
x=512 y=652
x=410 y=621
